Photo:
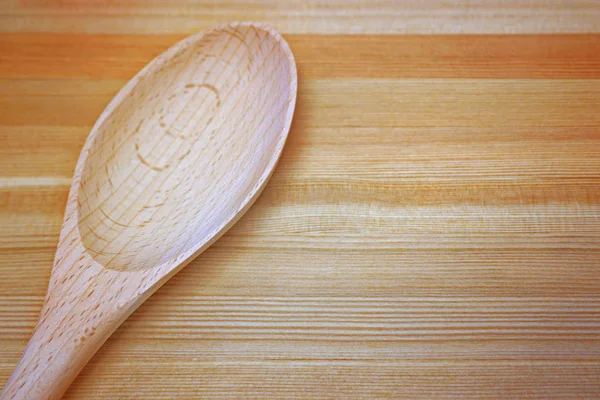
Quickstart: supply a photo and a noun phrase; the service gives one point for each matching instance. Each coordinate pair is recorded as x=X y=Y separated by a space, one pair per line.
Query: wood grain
x=338 y=16
x=432 y=229
x=319 y=56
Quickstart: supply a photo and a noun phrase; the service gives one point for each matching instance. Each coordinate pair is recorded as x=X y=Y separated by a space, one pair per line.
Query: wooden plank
x=385 y=103
x=339 y=16
x=321 y=345
x=42 y=55
x=316 y=379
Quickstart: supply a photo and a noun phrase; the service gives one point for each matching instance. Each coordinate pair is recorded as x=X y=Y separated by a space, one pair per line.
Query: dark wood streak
x=148 y=164
x=111 y=219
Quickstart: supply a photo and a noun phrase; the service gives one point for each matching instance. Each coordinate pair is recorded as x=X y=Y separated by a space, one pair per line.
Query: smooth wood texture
x=334 y=16
x=179 y=155
x=432 y=229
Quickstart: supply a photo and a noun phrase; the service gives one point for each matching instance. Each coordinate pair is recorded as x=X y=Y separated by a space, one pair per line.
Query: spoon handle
x=50 y=362
x=83 y=307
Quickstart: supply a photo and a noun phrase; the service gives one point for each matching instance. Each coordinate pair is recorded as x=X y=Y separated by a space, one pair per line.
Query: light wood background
x=432 y=230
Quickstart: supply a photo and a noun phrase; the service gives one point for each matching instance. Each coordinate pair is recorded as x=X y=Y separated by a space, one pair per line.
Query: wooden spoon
x=176 y=158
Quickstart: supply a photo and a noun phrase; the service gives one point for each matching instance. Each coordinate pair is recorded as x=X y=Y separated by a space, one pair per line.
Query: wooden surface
x=432 y=229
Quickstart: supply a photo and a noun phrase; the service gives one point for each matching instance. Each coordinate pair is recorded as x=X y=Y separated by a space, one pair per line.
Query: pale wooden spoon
x=176 y=158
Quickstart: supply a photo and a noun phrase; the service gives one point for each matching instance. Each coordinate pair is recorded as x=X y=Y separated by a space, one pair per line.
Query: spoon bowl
x=176 y=158
x=184 y=147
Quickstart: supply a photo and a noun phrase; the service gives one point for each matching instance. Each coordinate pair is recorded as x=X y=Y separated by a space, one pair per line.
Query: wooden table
x=431 y=231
